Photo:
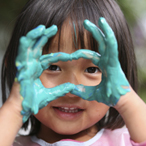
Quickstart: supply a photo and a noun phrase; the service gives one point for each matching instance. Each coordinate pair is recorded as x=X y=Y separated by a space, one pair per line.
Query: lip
x=68 y=112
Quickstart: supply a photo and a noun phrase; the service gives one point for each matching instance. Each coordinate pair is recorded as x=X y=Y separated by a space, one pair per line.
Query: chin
x=66 y=131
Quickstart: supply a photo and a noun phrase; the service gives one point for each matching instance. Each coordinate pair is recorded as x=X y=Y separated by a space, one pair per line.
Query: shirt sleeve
x=138 y=144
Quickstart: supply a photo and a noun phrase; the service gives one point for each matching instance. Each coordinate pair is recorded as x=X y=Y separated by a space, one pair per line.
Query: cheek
x=48 y=81
x=96 y=111
x=91 y=80
x=45 y=115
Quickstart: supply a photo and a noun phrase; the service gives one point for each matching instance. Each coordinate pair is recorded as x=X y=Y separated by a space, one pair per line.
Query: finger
x=85 y=92
x=60 y=90
x=24 y=50
x=33 y=35
x=97 y=34
x=36 y=33
x=47 y=60
x=22 y=55
x=110 y=38
x=45 y=95
x=49 y=32
x=108 y=32
x=86 y=54
x=24 y=43
x=30 y=39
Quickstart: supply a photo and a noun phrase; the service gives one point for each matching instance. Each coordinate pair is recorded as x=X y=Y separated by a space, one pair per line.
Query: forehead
x=67 y=38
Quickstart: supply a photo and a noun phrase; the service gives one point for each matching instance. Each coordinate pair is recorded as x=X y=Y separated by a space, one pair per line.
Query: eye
x=54 y=68
x=92 y=70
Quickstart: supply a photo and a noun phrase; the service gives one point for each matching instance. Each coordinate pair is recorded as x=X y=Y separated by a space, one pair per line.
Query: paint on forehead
x=74 y=34
x=75 y=38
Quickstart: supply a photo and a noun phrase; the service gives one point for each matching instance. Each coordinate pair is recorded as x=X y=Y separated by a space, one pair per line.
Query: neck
x=51 y=136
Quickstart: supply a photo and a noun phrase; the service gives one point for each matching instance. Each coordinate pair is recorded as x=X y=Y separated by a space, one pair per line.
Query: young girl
x=46 y=90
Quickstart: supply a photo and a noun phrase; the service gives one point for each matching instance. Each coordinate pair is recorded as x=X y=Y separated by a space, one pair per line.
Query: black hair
x=49 y=12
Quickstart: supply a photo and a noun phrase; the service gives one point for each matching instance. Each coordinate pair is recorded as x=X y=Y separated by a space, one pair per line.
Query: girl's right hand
x=34 y=95
x=114 y=83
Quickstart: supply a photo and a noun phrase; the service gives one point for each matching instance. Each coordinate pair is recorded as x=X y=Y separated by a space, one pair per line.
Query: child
x=68 y=119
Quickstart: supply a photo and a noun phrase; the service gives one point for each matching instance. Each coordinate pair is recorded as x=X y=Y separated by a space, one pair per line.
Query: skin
x=130 y=106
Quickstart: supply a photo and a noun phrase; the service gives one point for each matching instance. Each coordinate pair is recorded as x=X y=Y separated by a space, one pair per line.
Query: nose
x=71 y=95
x=72 y=77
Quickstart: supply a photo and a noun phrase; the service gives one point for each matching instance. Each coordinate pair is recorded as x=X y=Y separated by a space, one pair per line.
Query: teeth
x=68 y=110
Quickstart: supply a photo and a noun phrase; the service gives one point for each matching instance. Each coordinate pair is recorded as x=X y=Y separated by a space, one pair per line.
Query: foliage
x=9 y=9
x=132 y=9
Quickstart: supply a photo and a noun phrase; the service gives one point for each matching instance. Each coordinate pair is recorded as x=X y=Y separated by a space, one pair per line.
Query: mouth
x=68 y=113
x=69 y=110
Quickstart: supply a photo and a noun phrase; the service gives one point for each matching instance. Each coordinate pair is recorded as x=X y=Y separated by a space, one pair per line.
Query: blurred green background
x=134 y=11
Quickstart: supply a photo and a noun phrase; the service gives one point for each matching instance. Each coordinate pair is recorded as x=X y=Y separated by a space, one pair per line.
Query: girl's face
x=70 y=114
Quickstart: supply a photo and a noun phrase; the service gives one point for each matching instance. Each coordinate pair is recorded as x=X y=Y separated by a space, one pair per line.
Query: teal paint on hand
x=30 y=64
x=114 y=83
x=35 y=95
x=48 y=59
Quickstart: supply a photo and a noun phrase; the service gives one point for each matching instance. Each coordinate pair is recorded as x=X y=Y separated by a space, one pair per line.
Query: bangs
x=74 y=31
x=81 y=38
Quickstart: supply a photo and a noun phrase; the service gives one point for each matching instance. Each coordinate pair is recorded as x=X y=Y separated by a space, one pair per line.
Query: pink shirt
x=118 y=137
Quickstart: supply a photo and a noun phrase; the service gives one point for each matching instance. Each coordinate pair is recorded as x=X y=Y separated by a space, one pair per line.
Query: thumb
x=46 y=95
